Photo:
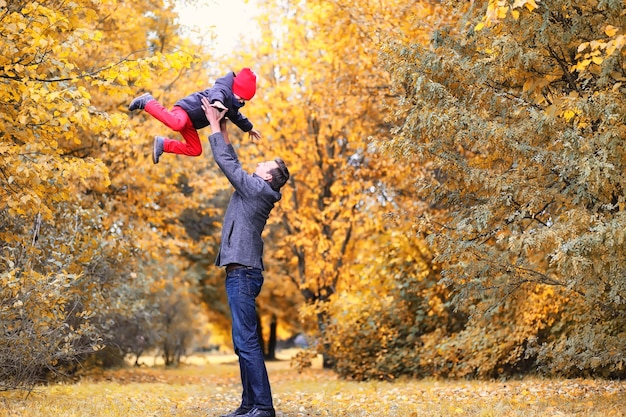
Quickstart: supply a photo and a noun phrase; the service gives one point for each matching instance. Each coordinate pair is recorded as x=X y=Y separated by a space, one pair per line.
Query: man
x=241 y=253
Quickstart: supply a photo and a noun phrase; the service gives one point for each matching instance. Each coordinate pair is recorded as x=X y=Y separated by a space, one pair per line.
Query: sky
x=232 y=19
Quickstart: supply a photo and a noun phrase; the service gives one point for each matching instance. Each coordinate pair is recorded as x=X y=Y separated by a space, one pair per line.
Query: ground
x=208 y=385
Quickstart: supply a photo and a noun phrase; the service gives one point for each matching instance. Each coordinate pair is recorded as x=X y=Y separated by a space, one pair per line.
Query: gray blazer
x=247 y=212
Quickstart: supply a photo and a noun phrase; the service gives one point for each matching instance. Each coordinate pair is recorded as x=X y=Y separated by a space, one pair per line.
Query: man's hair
x=280 y=175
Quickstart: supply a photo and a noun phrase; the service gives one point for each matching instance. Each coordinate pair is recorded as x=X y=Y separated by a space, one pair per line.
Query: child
x=229 y=93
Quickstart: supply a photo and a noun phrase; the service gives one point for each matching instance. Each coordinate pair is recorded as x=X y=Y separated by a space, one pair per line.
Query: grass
x=211 y=387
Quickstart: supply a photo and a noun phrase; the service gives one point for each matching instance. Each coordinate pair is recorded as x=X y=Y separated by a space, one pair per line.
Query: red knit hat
x=244 y=84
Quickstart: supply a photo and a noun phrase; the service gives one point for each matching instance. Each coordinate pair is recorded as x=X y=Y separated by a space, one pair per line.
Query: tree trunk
x=271 y=345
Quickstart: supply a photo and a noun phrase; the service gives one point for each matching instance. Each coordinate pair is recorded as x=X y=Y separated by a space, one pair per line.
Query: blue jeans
x=242 y=287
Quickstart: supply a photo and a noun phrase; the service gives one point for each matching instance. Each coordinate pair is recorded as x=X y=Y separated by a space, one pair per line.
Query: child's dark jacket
x=222 y=91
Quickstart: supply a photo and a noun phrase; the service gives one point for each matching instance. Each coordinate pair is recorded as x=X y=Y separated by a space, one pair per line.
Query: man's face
x=263 y=169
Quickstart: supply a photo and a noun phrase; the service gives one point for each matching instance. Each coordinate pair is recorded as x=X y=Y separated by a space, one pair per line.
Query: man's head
x=274 y=172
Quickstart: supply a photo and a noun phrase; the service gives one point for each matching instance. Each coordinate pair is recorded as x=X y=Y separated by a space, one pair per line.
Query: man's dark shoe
x=157 y=149
x=139 y=103
x=256 y=412
x=241 y=411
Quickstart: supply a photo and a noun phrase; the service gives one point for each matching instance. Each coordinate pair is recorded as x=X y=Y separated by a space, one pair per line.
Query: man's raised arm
x=216 y=119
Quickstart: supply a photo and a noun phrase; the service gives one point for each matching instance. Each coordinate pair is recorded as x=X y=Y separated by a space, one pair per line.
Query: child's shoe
x=157 y=148
x=140 y=102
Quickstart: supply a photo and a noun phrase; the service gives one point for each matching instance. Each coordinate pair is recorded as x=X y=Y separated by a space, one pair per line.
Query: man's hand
x=212 y=114
x=254 y=134
x=219 y=105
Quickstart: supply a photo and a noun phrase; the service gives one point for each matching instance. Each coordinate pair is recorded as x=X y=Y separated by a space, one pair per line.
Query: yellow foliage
x=610 y=31
x=498 y=10
x=596 y=51
x=77 y=185
x=319 y=100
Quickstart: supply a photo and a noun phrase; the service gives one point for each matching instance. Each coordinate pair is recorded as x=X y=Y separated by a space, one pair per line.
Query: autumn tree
x=322 y=86
x=519 y=113
x=72 y=256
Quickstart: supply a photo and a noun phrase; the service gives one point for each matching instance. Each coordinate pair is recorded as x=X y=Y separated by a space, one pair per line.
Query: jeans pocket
x=251 y=282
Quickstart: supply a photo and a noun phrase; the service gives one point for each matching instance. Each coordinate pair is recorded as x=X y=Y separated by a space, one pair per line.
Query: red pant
x=177 y=120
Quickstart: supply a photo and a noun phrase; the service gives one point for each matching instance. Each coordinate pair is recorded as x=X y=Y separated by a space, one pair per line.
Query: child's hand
x=254 y=134
x=219 y=105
